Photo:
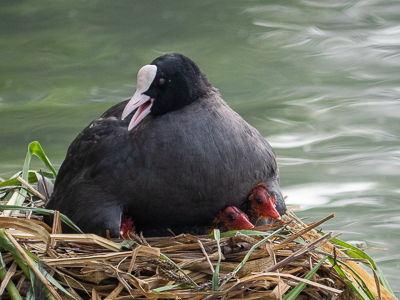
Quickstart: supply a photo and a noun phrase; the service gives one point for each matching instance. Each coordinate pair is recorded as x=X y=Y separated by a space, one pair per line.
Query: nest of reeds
x=288 y=260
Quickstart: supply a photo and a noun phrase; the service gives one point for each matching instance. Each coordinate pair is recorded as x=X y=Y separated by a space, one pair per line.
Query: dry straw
x=285 y=260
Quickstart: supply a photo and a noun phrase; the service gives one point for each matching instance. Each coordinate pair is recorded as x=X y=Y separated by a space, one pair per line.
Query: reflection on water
x=319 y=79
x=302 y=140
x=318 y=194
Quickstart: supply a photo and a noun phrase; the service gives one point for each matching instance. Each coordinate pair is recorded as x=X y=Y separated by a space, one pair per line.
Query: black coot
x=172 y=157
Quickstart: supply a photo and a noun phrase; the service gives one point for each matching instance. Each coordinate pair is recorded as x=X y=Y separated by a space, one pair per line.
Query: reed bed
x=285 y=260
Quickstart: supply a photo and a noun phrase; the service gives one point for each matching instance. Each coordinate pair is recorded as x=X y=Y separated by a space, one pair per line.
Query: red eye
x=160 y=81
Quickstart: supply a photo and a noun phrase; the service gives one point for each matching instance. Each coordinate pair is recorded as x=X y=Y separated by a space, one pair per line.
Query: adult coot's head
x=169 y=83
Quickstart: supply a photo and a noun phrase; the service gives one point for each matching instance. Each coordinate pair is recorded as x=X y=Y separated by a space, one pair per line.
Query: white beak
x=139 y=100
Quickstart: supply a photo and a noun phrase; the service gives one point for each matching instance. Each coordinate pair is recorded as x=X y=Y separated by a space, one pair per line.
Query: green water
x=318 y=79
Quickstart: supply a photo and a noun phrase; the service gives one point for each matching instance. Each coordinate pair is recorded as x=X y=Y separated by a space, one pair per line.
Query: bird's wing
x=89 y=146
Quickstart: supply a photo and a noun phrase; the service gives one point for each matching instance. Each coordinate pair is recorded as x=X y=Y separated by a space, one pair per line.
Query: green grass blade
x=31 y=292
x=51 y=279
x=161 y=290
x=360 y=282
x=36 y=283
x=163 y=256
x=32 y=178
x=349 y=283
x=299 y=287
x=357 y=253
x=383 y=280
x=43 y=211
x=36 y=148
x=248 y=255
x=254 y=247
x=30 y=295
x=33 y=148
x=233 y=233
x=128 y=244
x=354 y=252
x=215 y=277
x=7 y=245
x=11 y=289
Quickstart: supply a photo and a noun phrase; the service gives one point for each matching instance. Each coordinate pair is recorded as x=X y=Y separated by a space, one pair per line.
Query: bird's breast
x=185 y=166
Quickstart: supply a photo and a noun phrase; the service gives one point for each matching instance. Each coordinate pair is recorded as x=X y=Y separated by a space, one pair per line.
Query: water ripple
x=318 y=194
x=285 y=141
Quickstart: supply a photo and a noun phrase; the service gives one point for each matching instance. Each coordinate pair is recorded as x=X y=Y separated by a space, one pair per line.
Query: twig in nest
x=122 y=280
x=9 y=274
x=33 y=266
x=136 y=238
x=206 y=286
x=139 y=239
x=45 y=187
x=334 y=257
x=287 y=225
x=301 y=252
x=31 y=188
x=20 y=282
x=163 y=264
x=206 y=255
x=133 y=260
x=170 y=275
x=170 y=231
x=144 y=240
x=307 y=229
x=247 y=238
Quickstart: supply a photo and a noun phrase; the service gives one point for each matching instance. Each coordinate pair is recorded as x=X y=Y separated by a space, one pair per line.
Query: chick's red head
x=234 y=219
x=262 y=203
x=127 y=226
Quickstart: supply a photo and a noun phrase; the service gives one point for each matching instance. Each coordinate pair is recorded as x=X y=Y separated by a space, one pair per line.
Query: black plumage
x=188 y=159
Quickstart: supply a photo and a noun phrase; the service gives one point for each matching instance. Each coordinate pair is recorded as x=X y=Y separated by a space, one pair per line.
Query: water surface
x=319 y=80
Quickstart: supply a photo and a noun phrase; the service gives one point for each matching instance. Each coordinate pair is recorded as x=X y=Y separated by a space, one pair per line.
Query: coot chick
x=127 y=226
x=261 y=205
x=232 y=218
x=178 y=156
